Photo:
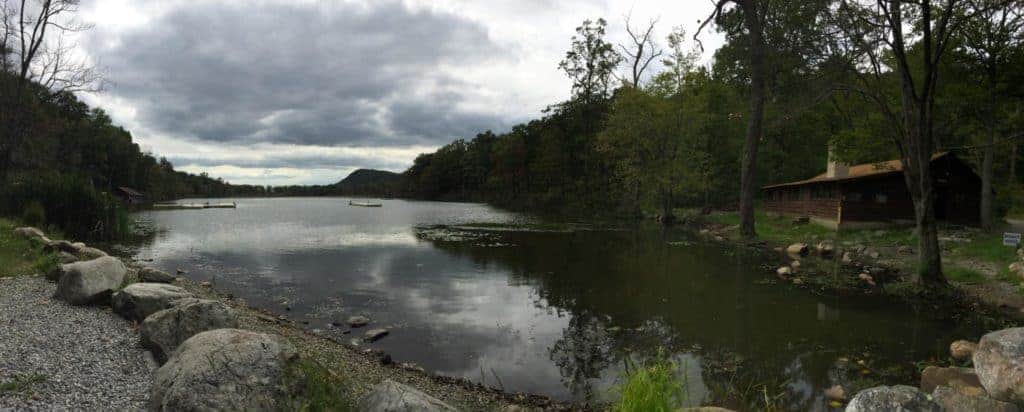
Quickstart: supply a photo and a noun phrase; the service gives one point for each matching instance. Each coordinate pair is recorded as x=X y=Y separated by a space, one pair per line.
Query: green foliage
x=20 y=256
x=317 y=389
x=963 y=275
x=70 y=203
x=591 y=61
x=652 y=387
x=21 y=382
x=34 y=214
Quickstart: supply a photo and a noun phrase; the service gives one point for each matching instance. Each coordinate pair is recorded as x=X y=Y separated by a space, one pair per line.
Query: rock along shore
x=63 y=347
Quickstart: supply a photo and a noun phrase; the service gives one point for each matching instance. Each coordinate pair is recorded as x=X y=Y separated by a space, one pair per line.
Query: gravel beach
x=59 y=357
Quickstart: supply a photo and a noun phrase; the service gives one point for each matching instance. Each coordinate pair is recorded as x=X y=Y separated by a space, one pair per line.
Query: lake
x=526 y=305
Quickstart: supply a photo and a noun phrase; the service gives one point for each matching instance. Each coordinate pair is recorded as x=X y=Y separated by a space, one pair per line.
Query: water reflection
x=554 y=312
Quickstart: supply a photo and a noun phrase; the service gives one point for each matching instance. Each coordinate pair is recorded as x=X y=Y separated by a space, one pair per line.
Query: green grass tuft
x=652 y=387
x=964 y=275
x=20 y=256
x=317 y=389
x=20 y=383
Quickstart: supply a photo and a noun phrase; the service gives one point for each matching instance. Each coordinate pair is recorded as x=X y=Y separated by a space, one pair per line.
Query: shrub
x=69 y=203
x=651 y=387
x=34 y=214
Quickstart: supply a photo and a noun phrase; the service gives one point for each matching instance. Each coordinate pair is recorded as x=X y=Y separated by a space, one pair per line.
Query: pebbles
x=81 y=358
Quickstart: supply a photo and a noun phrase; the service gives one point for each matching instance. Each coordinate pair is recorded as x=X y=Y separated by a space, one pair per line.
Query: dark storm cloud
x=303 y=74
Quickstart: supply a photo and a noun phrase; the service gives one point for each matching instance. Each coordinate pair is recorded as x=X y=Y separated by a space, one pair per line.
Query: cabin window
x=881 y=198
x=854 y=196
x=794 y=194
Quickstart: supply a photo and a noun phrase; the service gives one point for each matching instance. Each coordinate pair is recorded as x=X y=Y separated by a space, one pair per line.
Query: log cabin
x=875 y=195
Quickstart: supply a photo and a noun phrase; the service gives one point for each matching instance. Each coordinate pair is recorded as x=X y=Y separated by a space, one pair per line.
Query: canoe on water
x=364 y=204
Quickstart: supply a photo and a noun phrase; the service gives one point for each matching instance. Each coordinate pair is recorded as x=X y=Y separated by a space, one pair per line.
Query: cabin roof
x=860 y=171
x=129 y=191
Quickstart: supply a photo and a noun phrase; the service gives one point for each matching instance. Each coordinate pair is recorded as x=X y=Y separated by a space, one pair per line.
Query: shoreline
x=336 y=354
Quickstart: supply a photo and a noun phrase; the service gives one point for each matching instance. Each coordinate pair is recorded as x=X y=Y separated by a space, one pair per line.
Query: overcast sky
x=304 y=92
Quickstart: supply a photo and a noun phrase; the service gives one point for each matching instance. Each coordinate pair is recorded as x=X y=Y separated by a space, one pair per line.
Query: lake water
x=467 y=292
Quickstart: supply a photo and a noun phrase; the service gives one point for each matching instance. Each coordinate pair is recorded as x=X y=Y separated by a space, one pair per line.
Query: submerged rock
x=391 y=396
x=164 y=331
x=148 y=274
x=225 y=369
x=358 y=321
x=90 y=281
x=891 y=398
x=999 y=362
x=374 y=335
x=139 y=300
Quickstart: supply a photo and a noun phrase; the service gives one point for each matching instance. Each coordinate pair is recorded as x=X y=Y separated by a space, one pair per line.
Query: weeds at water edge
x=654 y=386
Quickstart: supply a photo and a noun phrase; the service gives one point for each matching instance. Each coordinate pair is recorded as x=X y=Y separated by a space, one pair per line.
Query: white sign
x=1011 y=239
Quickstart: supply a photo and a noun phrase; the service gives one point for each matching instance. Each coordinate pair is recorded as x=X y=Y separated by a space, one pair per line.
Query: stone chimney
x=836 y=169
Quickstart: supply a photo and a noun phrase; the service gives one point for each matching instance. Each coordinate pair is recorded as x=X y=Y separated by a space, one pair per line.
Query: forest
x=648 y=128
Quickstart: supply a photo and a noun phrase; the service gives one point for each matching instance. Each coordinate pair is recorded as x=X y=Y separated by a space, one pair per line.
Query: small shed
x=875 y=194
x=129 y=196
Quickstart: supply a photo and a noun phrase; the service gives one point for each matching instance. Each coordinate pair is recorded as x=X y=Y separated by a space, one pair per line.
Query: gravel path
x=59 y=357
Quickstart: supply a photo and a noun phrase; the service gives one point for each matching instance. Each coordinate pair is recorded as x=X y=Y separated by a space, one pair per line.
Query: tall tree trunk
x=989 y=153
x=752 y=20
x=917 y=172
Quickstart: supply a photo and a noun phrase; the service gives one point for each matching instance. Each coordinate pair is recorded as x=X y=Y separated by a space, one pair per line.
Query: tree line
x=647 y=129
x=868 y=80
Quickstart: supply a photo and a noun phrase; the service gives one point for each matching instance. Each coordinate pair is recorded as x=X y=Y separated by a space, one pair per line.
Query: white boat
x=364 y=204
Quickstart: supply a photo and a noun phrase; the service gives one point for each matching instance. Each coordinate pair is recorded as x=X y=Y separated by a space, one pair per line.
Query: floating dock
x=364 y=204
x=207 y=205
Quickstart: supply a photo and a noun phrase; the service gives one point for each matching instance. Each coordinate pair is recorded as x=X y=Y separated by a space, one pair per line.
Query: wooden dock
x=207 y=205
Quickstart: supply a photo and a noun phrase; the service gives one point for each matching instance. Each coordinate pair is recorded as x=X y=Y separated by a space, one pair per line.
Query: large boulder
x=32 y=233
x=391 y=396
x=225 y=369
x=139 y=300
x=934 y=376
x=155 y=275
x=90 y=281
x=164 y=331
x=999 y=362
x=961 y=400
x=891 y=398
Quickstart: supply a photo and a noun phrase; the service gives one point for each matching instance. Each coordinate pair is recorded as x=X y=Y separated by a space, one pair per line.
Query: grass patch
x=21 y=383
x=652 y=387
x=964 y=275
x=20 y=256
x=987 y=247
x=775 y=228
x=316 y=389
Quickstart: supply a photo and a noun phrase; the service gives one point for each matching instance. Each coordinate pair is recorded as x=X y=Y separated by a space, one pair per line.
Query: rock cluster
x=209 y=364
x=995 y=383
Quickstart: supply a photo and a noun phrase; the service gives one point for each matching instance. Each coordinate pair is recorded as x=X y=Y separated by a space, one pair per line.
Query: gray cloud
x=302 y=74
x=297 y=162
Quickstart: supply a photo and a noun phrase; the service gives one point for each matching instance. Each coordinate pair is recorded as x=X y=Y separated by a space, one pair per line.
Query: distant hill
x=369 y=182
